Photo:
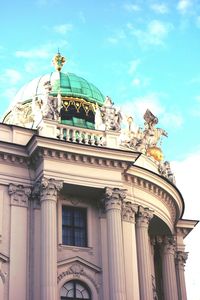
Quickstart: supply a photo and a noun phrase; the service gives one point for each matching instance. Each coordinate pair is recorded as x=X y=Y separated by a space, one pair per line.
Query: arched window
x=75 y=290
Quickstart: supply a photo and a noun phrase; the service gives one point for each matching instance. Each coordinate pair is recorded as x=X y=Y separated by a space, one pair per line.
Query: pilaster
x=129 y=211
x=18 y=273
x=47 y=190
x=181 y=258
x=113 y=199
x=168 y=267
x=143 y=218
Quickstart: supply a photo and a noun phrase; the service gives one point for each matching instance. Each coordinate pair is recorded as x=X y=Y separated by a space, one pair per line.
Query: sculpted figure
x=165 y=170
x=110 y=116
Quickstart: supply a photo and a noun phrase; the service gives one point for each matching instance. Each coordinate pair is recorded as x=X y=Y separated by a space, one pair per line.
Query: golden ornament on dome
x=155 y=152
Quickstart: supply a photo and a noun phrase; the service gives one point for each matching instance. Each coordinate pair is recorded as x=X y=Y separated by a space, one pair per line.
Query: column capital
x=144 y=216
x=19 y=194
x=113 y=198
x=169 y=245
x=128 y=211
x=47 y=188
x=181 y=258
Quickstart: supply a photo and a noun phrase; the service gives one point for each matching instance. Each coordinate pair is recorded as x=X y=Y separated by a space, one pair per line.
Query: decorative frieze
x=128 y=211
x=19 y=194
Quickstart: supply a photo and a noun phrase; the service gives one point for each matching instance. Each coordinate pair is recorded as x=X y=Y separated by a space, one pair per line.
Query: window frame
x=73 y=227
x=75 y=282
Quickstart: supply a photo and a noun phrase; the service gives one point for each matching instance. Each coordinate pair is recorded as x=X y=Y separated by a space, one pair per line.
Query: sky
x=143 y=54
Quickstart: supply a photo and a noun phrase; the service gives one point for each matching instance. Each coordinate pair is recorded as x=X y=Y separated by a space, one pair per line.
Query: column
x=144 y=263
x=113 y=203
x=130 y=252
x=18 y=273
x=181 y=258
x=168 y=268
x=48 y=189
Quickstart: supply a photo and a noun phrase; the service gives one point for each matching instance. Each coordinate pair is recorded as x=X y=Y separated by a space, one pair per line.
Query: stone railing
x=53 y=129
x=80 y=135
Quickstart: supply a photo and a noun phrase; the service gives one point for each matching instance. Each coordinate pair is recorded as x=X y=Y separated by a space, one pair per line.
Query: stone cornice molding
x=47 y=189
x=181 y=258
x=156 y=191
x=128 y=211
x=19 y=194
x=144 y=216
x=80 y=158
x=12 y=158
x=113 y=198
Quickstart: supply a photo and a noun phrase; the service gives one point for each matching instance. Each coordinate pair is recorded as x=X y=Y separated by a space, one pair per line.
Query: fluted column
x=113 y=203
x=181 y=258
x=48 y=197
x=143 y=253
x=130 y=252
x=168 y=267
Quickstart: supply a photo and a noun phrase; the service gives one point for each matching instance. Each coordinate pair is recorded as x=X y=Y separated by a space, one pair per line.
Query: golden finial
x=58 y=61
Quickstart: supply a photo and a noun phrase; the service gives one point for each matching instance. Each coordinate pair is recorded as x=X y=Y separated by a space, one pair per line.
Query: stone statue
x=165 y=170
x=50 y=108
x=110 y=116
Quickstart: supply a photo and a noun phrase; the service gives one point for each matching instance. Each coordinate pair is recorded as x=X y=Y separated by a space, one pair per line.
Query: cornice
x=76 y=148
x=42 y=153
x=13 y=158
x=156 y=191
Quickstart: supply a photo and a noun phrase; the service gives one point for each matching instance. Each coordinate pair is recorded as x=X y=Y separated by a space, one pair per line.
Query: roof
x=68 y=84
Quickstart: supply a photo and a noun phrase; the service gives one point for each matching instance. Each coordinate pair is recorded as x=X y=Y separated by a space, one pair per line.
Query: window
x=74 y=226
x=75 y=290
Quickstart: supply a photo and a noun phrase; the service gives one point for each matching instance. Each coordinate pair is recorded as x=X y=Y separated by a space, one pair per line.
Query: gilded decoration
x=58 y=61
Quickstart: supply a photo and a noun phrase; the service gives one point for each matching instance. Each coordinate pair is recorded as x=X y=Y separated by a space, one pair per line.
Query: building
x=88 y=209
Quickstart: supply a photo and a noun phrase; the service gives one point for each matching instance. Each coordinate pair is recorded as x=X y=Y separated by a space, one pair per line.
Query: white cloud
x=12 y=76
x=33 y=53
x=152 y=101
x=160 y=8
x=9 y=93
x=136 y=82
x=172 y=119
x=132 y=7
x=183 y=6
x=133 y=65
x=139 y=105
x=155 y=33
x=62 y=28
x=187 y=178
x=117 y=37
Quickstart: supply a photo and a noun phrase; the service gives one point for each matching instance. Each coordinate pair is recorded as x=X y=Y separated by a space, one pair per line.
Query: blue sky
x=143 y=54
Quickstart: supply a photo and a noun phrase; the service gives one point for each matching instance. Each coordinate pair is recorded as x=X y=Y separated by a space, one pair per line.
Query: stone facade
x=134 y=236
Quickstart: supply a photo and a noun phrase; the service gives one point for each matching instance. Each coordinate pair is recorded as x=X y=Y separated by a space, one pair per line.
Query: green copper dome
x=67 y=84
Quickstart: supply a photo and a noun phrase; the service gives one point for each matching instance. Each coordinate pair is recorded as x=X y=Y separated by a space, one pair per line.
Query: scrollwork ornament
x=128 y=212
x=47 y=188
x=113 y=198
x=181 y=258
x=19 y=194
x=144 y=216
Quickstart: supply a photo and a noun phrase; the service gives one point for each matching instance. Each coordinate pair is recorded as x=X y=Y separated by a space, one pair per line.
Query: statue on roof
x=111 y=117
x=145 y=140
